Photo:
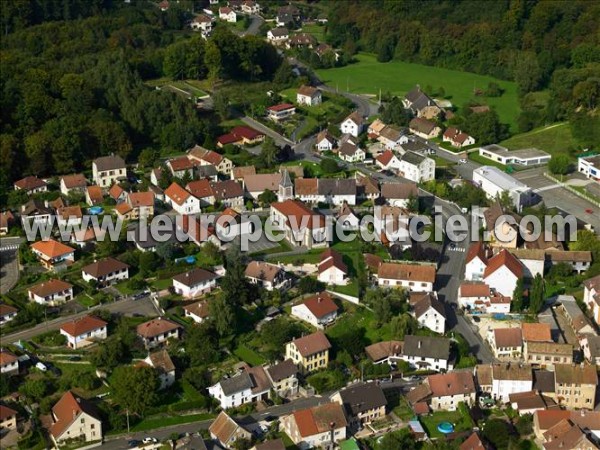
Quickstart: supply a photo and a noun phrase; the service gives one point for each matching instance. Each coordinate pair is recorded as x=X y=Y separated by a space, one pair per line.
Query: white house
x=84 y=331
x=198 y=311
x=278 y=35
x=510 y=378
x=181 y=200
x=332 y=269
x=31 y=185
x=429 y=312
x=325 y=142
x=591 y=297
x=202 y=23
x=353 y=124
x=250 y=7
x=9 y=363
x=302 y=226
x=107 y=170
x=473 y=296
x=416 y=167
x=316 y=427
x=506 y=342
x=319 y=310
x=281 y=111
x=73 y=183
x=413 y=277
x=69 y=216
x=388 y=161
x=427 y=352
x=399 y=194
x=450 y=389
x=424 y=128
x=532 y=259
x=495 y=182
x=74 y=418
x=309 y=96
x=51 y=292
x=457 y=138
x=194 y=283
x=269 y=276
x=590 y=167
x=158 y=331
x=231 y=224
x=251 y=385
x=227 y=14
x=391 y=137
x=502 y=273
x=351 y=153
x=7 y=313
x=476 y=262
x=162 y=363
x=105 y=272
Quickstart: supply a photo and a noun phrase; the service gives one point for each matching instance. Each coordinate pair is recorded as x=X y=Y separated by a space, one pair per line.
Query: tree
x=35 y=388
x=536 y=295
x=402 y=325
x=586 y=240
x=148 y=263
x=267 y=197
x=517 y=300
x=398 y=440
x=165 y=250
x=528 y=73
x=329 y=166
x=383 y=311
x=497 y=432
x=223 y=315
x=202 y=345
x=269 y=153
x=309 y=285
x=110 y=354
x=134 y=388
x=559 y=164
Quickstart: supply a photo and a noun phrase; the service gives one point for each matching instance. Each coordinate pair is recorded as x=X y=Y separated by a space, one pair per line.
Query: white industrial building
x=523 y=157
x=494 y=182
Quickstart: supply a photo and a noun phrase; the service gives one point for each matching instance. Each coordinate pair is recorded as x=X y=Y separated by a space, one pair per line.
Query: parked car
x=149 y=440
x=133 y=443
x=41 y=366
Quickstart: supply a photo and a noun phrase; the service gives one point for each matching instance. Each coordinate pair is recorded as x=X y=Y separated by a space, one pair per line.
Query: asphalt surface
x=9 y=263
x=143 y=306
x=255 y=25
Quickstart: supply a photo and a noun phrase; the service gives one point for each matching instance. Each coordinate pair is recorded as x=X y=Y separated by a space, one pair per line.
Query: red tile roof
x=155 y=327
x=115 y=191
x=453 y=383
x=52 y=248
x=83 y=325
x=5 y=310
x=67 y=410
x=536 y=332
x=7 y=357
x=385 y=157
x=410 y=272
x=508 y=337
x=319 y=419
x=312 y=343
x=281 y=107
x=29 y=183
x=331 y=258
x=74 y=181
x=6 y=412
x=476 y=249
x=182 y=163
x=473 y=442
x=504 y=258
x=298 y=210
x=320 y=305
x=474 y=290
x=49 y=287
x=95 y=194
x=137 y=199
x=177 y=194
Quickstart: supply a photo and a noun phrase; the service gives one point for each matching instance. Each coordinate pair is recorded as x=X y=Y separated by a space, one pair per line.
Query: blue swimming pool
x=445 y=427
x=95 y=210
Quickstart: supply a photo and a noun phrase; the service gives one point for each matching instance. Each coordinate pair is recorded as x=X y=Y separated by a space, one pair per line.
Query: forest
x=73 y=90
x=551 y=49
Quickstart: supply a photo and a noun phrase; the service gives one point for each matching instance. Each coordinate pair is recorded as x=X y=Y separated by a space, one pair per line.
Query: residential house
x=284 y=378
x=9 y=363
x=427 y=352
x=74 y=419
x=94 y=195
x=86 y=238
x=320 y=426
x=503 y=231
x=474 y=297
x=278 y=35
x=417 y=167
x=198 y=311
x=543 y=421
x=483 y=379
x=399 y=194
x=161 y=362
x=53 y=255
x=250 y=7
x=332 y=269
x=576 y=385
x=506 y=342
x=388 y=161
x=389 y=352
x=202 y=23
x=223 y=165
x=353 y=124
x=136 y=206
x=107 y=170
x=7 y=219
x=194 y=283
x=363 y=403
x=251 y=385
x=580 y=261
x=375 y=128
x=31 y=185
x=281 y=111
x=502 y=273
x=84 y=331
x=424 y=128
x=414 y=277
x=391 y=226
x=8 y=418
x=591 y=297
x=420 y=103
x=367 y=188
x=240 y=135
x=310 y=352
x=589 y=166
x=267 y=275
x=158 y=331
x=450 y=389
x=226 y=431
x=36 y=211
x=255 y=185
x=391 y=137
x=568 y=307
x=73 y=183
x=429 y=312
x=181 y=167
x=117 y=193
x=347 y=218
x=240 y=173
x=301 y=40
x=530 y=402
x=457 y=138
x=69 y=216
x=533 y=261
x=7 y=313
x=547 y=354
x=326 y=190
x=181 y=200
x=325 y=141
x=566 y=434
x=590 y=344
x=351 y=153
x=105 y=272
x=309 y=96
x=51 y=292
x=510 y=379
x=473 y=442
x=228 y=193
x=227 y=14
x=318 y=310
x=535 y=333
x=302 y=226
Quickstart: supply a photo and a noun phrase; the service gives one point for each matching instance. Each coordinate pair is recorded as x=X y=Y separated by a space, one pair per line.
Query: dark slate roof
x=282 y=370
x=414 y=146
x=362 y=397
x=543 y=381
x=427 y=346
x=35 y=207
x=208 y=171
x=237 y=383
x=285 y=180
x=111 y=162
x=413 y=158
x=330 y=186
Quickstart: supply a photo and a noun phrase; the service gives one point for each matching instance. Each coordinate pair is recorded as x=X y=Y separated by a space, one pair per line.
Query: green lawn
x=152 y=423
x=367 y=76
x=431 y=422
x=318 y=31
x=556 y=138
x=248 y=355
x=359 y=318
x=403 y=410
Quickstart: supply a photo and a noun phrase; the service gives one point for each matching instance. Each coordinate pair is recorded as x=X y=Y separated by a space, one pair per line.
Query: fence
x=572 y=189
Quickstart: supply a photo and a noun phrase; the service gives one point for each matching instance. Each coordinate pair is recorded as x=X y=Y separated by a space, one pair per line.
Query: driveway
x=278 y=138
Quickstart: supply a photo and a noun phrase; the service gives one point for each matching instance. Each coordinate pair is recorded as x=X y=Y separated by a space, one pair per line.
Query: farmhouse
x=415 y=278
x=418 y=101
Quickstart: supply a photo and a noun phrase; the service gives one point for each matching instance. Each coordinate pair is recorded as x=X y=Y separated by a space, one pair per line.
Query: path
x=9 y=263
x=278 y=138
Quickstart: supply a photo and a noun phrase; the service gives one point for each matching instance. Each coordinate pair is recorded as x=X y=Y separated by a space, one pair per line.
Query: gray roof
x=237 y=383
x=414 y=146
x=111 y=162
x=35 y=207
x=282 y=370
x=207 y=171
x=428 y=300
x=413 y=158
x=281 y=31
x=427 y=346
x=543 y=381
x=499 y=178
x=594 y=345
x=286 y=182
x=362 y=397
x=331 y=186
x=418 y=99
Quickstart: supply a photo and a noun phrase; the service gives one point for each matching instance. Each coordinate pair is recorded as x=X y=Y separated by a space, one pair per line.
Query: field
x=553 y=139
x=318 y=31
x=460 y=421
x=367 y=76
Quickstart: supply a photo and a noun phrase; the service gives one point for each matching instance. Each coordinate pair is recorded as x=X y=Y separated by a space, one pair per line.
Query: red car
x=589 y=211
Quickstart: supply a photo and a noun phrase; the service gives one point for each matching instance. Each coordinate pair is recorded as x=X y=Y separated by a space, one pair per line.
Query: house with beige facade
x=309 y=353
x=74 y=419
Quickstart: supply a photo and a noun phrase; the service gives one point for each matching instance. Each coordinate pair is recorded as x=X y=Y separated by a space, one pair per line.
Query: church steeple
x=286 y=187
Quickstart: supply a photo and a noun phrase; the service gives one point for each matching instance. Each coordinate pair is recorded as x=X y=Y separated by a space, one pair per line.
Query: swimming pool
x=445 y=427
x=95 y=210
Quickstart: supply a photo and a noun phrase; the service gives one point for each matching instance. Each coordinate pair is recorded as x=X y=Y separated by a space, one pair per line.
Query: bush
x=51 y=339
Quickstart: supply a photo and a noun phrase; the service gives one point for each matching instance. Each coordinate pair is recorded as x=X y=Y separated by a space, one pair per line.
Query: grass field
x=367 y=76
x=248 y=355
x=554 y=139
x=430 y=423
x=318 y=31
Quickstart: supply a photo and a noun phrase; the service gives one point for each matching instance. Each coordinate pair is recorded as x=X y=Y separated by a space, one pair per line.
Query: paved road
x=143 y=306
x=9 y=262
x=278 y=138
x=255 y=25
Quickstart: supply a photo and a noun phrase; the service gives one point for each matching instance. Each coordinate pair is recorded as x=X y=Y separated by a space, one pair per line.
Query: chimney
x=419 y=345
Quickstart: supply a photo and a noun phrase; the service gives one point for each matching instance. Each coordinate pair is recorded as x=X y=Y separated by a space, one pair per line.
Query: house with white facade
x=388 y=161
x=223 y=165
x=202 y=23
x=198 y=311
x=391 y=225
x=105 y=272
x=284 y=378
x=309 y=96
x=476 y=261
x=31 y=185
x=73 y=183
x=502 y=273
x=399 y=194
x=424 y=128
x=194 y=283
x=158 y=331
x=74 y=419
x=417 y=167
x=413 y=277
x=591 y=297
x=7 y=313
x=181 y=200
x=325 y=142
x=108 y=170
x=510 y=378
x=53 y=255
x=302 y=226
x=51 y=292
x=364 y=403
x=9 y=363
x=506 y=342
x=353 y=124
x=429 y=312
x=84 y=331
x=316 y=427
x=347 y=218
x=332 y=269
x=281 y=111
x=318 y=310
x=251 y=385
x=450 y=389
x=589 y=166
x=267 y=275
x=162 y=363
x=427 y=352
x=351 y=153
x=278 y=35
x=457 y=138
x=494 y=182
x=227 y=14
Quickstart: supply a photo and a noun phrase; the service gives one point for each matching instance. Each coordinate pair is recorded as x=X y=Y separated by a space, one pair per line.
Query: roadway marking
x=9 y=247
x=457 y=249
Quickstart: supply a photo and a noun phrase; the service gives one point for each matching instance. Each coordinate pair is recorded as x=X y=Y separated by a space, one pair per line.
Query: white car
x=462 y=161
x=41 y=366
x=149 y=440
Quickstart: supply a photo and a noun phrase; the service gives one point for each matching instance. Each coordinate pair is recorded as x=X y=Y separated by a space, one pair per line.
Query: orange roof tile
x=51 y=248
x=504 y=258
x=83 y=325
